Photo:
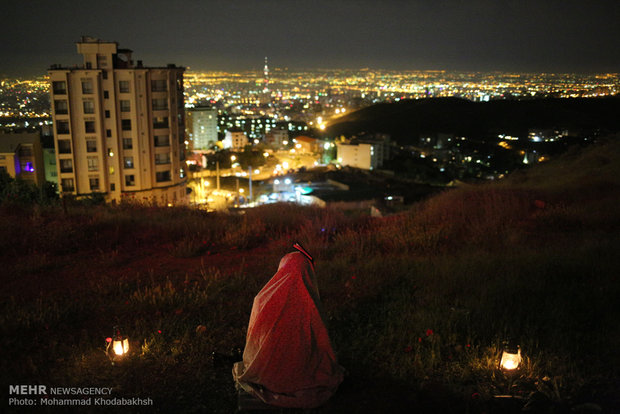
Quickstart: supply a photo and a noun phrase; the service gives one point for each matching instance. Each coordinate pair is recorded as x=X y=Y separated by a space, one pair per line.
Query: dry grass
x=415 y=300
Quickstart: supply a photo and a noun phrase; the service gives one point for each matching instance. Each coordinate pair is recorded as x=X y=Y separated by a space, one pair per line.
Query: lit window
x=66 y=165
x=67 y=185
x=87 y=87
x=89 y=107
x=162 y=158
x=162 y=140
x=123 y=86
x=59 y=87
x=94 y=183
x=61 y=107
x=160 y=104
x=160 y=122
x=91 y=146
x=93 y=163
x=27 y=167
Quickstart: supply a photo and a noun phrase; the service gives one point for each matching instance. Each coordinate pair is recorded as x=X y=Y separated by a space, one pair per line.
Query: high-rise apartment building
x=119 y=126
x=202 y=122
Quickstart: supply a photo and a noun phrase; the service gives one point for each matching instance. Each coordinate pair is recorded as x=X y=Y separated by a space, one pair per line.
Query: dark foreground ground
x=418 y=304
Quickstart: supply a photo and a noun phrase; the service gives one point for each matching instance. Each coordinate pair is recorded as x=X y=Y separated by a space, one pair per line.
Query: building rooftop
x=10 y=142
x=305 y=138
x=82 y=67
x=91 y=39
x=89 y=46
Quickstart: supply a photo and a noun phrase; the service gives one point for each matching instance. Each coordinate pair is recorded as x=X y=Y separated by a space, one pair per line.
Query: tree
x=18 y=191
x=5 y=180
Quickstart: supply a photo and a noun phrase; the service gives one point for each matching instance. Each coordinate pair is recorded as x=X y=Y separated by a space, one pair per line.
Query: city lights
x=452 y=167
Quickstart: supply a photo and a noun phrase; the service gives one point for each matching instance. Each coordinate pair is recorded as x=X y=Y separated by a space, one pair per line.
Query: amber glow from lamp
x=117 y=346
x=511 y=358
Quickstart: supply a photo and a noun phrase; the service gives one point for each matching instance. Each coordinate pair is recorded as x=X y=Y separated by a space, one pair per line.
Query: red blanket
x=288 y=359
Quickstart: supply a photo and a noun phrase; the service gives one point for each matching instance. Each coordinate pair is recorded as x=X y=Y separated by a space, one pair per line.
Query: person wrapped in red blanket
x=288 y=359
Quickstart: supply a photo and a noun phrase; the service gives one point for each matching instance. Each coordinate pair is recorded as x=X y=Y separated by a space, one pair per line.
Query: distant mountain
x=406 y=120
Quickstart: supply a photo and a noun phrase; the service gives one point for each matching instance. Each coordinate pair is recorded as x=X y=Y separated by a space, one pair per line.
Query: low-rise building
x=306 y=144
x=235 y=140
x=21 y=156
x=277 y=137
x=364 y=156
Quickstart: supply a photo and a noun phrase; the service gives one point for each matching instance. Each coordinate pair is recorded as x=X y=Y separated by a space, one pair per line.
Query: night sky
x=519 y=35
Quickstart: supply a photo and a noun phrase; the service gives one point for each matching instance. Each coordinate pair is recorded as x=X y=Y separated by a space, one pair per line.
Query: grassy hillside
x=419 y=303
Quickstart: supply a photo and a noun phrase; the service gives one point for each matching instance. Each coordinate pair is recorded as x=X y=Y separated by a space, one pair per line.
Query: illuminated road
x=204 y=183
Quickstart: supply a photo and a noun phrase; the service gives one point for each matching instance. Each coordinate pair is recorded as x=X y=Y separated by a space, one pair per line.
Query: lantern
x=511 y=358
x=117 y=346
x=120 y=346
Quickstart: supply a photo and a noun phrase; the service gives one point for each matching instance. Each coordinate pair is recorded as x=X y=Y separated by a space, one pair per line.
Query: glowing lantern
x=121 y=346
x=511 y=358
x=118 y=346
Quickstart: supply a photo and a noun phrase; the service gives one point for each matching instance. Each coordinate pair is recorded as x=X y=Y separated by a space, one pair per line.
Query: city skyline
x=480 y=35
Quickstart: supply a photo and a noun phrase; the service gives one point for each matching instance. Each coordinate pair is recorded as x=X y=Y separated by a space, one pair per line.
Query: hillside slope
x=418 y=304
x=407 y=119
